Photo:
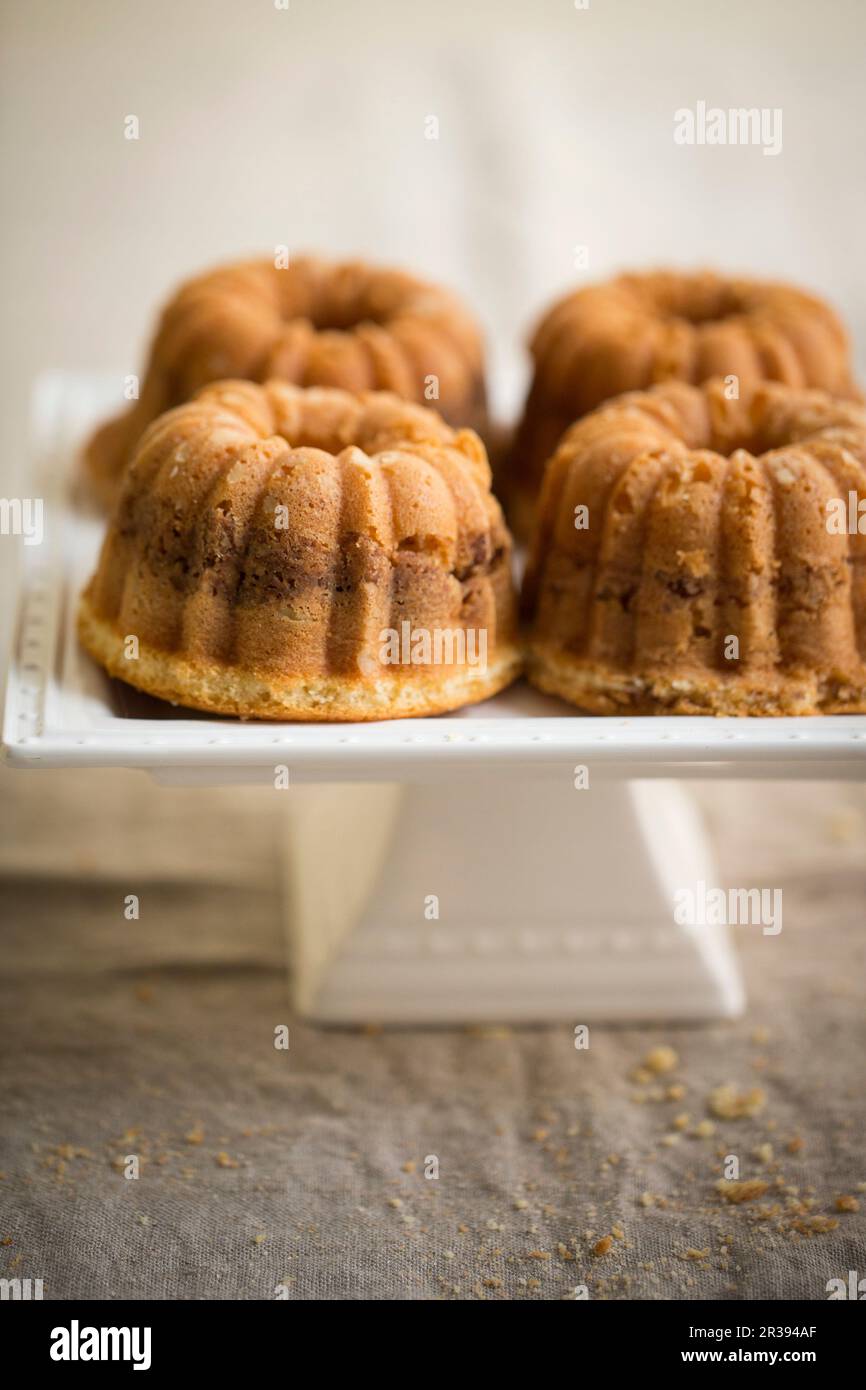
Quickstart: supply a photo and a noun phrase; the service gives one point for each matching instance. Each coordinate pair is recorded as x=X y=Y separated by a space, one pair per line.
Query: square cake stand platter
x=513 y=862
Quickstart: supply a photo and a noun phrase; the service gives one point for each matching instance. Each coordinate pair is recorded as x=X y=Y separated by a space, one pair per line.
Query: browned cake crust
x=636 y=330
x=708 y=520
x=267 y=536
x=315 y=323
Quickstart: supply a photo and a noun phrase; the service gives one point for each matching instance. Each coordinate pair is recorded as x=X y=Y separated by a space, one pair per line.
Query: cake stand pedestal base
x=514 y=901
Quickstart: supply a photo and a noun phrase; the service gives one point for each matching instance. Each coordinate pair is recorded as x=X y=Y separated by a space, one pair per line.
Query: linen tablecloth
x=302 y=1172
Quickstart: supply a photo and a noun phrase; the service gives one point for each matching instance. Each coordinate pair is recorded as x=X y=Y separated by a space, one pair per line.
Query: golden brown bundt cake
x=688 y=556
x=314 y=323
x=636 y=330
x=279 y=553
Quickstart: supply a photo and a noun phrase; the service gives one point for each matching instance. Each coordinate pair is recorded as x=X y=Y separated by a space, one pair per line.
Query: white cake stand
x=523 y=901
x=437 y=870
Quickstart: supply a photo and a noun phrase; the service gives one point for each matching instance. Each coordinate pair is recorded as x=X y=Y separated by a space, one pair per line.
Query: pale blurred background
x=306 y=127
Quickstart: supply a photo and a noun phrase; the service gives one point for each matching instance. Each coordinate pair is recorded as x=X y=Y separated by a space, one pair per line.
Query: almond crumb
x=660 y=1059
x=728 y=1104
x=746 y=1191
x=816 y=1225
x=602 y=1246
x=847 y=1204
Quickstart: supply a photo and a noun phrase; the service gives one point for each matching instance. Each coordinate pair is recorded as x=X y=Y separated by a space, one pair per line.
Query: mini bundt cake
x=690 y=558
x=313 y=323
x=280 y=553
x=637 y=330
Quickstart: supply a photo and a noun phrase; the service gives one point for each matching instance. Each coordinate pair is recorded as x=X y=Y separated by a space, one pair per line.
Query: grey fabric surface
x=305 y=1168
